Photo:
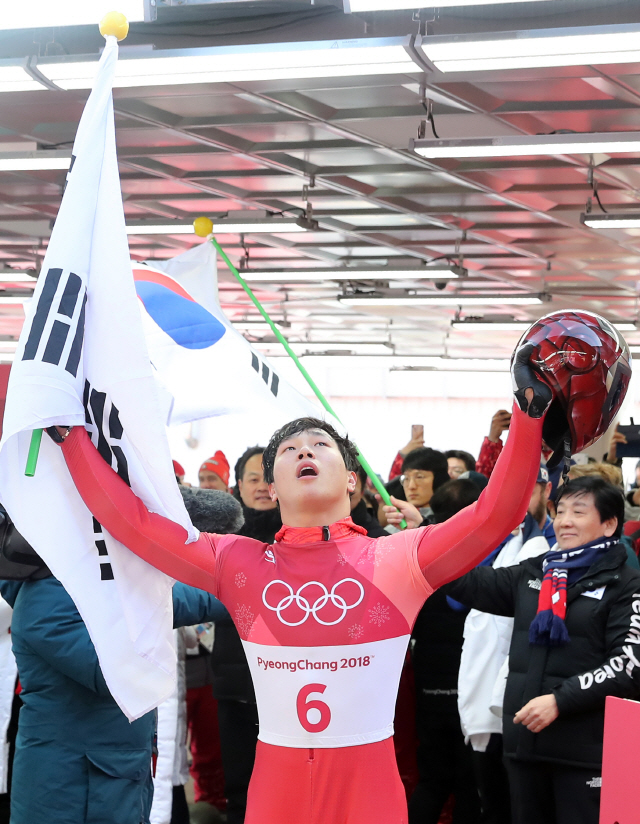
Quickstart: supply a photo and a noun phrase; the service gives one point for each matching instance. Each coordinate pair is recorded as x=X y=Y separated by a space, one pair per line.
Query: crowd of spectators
x=450 y=712
x=493 y=725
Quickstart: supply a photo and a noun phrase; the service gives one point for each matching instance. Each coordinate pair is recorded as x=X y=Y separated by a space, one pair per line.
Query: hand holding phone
x=630 y=447
x=417 y=439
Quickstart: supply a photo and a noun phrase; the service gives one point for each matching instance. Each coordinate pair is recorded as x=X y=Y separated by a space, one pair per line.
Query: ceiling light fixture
x=13 y=300
x=253 y=326
x=611 y=220
x=529 y=145
x=28 y=14
x=489 y=326
x=534 y=48
x=229 y=225
x=409 y=363
x=436 y=300
x=34 y=161
x=355 y=6
x=23 y=278
x=15 y=78
x=160 y=229
x=518 y=325
x=354 y=273
x=274 y=225
x=237 y=64
x=331 y=348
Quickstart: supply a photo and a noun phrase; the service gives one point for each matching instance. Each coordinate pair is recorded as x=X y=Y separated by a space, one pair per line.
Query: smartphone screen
x=417 y=432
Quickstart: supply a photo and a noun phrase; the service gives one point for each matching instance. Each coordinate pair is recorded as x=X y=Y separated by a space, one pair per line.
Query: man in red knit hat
x=214 y=473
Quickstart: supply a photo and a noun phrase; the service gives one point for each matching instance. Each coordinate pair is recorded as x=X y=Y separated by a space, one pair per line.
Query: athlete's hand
x=58 y=433
x=534 y=396
x=538 y=713
x=402 y=510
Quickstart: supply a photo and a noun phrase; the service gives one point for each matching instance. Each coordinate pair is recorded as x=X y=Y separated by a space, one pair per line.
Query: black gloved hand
x=525 y=377
x=54 y=434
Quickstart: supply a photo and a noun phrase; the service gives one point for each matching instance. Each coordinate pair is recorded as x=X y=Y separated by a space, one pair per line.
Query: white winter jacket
x=485 y=652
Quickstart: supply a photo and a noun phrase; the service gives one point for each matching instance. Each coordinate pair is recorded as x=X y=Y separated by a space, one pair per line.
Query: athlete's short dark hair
x=347 y=448
x=607 y=498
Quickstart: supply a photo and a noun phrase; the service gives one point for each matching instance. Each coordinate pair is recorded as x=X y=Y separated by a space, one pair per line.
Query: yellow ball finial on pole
x=115 y=23
x=203 y=226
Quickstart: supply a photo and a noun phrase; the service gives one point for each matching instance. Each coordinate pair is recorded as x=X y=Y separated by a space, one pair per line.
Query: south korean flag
x=82 y=361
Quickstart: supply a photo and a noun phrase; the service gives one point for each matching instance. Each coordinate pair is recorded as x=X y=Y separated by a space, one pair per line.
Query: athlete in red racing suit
x=325 y=614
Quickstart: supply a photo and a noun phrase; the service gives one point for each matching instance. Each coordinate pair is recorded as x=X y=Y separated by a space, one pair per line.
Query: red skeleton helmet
x=586 y=363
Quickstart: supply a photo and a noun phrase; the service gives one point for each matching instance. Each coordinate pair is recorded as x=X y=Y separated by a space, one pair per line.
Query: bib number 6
x=303 y=705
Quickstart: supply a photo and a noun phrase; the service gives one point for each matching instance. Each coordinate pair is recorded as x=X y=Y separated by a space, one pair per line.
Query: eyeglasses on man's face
x=416 y=477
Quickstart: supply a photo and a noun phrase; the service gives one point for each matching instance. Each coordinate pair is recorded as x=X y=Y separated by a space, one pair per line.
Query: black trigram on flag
x=262 y=368
x=106 y=570
x=102 y=421
x=57 y=330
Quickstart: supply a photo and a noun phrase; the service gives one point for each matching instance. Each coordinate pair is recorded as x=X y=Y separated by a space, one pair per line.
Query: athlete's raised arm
x=156 y=539
x=448 y=550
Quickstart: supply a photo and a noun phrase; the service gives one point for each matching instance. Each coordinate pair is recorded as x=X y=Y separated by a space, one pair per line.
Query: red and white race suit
x=325 y=614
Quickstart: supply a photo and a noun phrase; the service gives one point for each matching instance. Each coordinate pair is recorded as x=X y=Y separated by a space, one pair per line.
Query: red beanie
x=219 y=465
x=178 y=469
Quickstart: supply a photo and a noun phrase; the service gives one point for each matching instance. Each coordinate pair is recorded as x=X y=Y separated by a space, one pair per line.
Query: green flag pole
x=34 y=451
x=375 y=480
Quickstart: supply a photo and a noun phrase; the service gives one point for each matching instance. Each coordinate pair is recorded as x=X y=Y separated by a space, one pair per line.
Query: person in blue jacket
x=78 y=759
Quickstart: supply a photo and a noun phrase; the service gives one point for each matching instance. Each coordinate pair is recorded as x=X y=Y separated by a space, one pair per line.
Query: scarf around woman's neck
x=561 y=568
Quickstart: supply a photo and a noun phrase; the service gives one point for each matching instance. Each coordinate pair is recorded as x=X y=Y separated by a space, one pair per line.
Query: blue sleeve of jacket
x=9 y=591
x=195 y=606
x=56 y=632
x=632 y=558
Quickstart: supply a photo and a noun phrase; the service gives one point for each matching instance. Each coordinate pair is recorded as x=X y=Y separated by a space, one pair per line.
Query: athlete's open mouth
x=307 y=470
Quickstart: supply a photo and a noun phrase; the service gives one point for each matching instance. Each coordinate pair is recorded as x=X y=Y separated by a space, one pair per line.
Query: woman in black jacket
x=575 y=641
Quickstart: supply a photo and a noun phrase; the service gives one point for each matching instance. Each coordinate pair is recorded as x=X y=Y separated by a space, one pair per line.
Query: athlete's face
x=309 y=470
x=577 y=522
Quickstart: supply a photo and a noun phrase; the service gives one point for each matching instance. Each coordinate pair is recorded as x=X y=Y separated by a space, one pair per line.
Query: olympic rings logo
x=314 y=608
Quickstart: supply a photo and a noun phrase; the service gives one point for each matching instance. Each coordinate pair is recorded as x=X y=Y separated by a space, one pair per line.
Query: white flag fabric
x=207 y=368
x=82 y=361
